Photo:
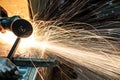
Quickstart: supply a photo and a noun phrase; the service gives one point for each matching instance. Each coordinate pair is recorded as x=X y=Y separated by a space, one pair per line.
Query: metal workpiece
x=34 y=62
x=28 y=73
x=13 y=49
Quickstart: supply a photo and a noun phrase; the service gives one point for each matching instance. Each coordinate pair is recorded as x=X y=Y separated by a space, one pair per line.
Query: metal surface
x=28 y=73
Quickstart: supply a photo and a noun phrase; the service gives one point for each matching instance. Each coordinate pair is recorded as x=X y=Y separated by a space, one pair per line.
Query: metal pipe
x=13 y=49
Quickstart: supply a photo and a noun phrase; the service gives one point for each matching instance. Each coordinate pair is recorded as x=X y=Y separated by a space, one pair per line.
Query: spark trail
x=81 y=32
x=82 y=47
x=102 y=63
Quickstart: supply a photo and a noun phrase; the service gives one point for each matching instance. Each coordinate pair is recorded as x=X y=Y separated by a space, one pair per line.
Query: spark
x=95 y=61
x=77 y=46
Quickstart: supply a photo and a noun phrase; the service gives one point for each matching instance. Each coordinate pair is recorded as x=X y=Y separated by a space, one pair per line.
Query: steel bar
x=13 y=49
x=33 y=62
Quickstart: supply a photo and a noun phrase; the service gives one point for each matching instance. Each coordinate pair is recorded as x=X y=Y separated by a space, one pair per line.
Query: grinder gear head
x=21 y=28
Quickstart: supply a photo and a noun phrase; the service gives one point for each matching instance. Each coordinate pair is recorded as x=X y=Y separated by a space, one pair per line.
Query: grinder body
x=20 y=27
